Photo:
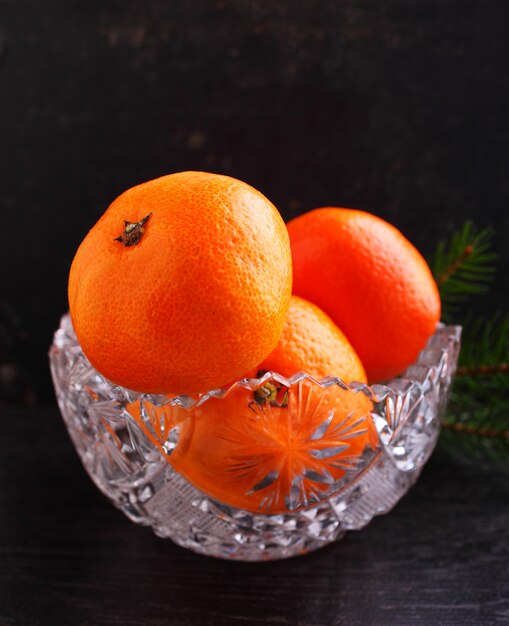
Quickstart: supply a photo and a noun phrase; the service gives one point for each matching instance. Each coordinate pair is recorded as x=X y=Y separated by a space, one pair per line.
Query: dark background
x=399 y=107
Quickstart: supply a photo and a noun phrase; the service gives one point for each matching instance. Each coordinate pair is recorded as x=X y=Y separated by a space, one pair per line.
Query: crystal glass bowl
x=270 y=467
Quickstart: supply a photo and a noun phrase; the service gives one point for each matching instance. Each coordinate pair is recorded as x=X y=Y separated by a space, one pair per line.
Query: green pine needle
x=463 y=267
x=485 y=347
x=476 y=426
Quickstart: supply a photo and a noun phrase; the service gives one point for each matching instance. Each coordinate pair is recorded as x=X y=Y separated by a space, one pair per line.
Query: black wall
x=399 y=107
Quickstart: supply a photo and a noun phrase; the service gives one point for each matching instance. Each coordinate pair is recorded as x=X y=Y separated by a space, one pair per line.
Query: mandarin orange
x=372 y=282
x=278 y=448
x=182 y=285
x=313 y=344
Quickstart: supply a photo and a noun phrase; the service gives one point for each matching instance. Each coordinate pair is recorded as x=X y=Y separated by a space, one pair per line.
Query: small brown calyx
x=133 y=231
x=271 y=393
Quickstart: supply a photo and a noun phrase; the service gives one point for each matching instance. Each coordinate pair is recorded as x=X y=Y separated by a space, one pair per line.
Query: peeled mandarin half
x=182 y=285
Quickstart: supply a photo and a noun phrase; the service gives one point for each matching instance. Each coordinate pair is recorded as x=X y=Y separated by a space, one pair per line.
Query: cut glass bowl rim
x=373 y=391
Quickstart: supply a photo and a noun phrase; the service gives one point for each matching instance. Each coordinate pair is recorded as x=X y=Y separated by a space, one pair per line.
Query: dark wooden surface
x=67 y=557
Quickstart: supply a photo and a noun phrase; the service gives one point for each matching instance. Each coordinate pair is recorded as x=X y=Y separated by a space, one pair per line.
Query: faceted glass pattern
x=303 y=462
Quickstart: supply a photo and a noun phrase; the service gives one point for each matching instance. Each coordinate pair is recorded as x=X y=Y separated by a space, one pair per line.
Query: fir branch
x=483 y=370
x=485 y=346
x=476 y=427
x=479 y=431
x=454 y=266
x=463 y=267
x=486 y=452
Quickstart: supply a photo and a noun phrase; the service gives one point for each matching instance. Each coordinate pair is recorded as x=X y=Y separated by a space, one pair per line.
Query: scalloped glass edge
x=137 y=478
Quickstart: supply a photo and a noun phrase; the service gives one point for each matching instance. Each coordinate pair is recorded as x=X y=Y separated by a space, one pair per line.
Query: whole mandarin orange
x=182 y=285
x=313 y=344
x=372 y=282
x=278 y=448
